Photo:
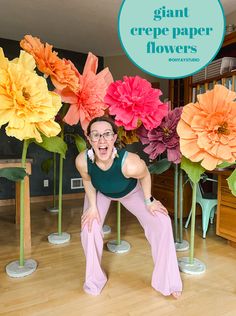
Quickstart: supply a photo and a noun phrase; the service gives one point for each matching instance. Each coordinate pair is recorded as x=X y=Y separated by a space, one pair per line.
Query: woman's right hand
x=89 y=216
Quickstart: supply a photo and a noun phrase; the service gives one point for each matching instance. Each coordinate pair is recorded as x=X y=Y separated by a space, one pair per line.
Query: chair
x=208 y=203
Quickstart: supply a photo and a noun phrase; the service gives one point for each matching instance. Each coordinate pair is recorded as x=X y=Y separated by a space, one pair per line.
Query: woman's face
x=102 y=139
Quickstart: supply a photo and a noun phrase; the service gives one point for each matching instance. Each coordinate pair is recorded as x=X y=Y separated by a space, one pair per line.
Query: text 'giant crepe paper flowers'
x=163 y=138
x=88 y=102
x=207 y=128
x=61 y=71
x=26 y=105
x=133 y=100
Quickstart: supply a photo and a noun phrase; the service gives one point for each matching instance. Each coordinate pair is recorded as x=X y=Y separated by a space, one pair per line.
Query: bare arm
x=134 y=167
x=81 y=165
x=91 y=213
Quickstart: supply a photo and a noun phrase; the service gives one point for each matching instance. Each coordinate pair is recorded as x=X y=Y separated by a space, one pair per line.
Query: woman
x=110 y=175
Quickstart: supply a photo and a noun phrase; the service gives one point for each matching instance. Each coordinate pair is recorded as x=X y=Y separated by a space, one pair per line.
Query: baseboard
x=38 y=199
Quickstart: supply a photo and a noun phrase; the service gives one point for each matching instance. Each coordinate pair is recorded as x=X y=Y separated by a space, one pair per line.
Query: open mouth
x=103 y=150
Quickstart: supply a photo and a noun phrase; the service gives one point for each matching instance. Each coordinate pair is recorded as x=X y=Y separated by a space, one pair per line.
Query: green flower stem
x=22 y=203
x=118 y=224
x=194 y=197
x=60 y=186
x=54 y=179
x=176 y=203
x=70 y=134
x=180 y=205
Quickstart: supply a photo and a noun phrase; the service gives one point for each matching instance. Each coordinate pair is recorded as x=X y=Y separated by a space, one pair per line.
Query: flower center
x=166 y=131
x=25 y=94
x=223 y=129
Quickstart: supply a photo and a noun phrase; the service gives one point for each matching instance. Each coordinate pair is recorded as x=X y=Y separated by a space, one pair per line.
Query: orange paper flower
x=88 y=102
x=61 y=71
x=207 y=128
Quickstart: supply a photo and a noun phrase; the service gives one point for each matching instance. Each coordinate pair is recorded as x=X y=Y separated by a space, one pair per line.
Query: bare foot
x=176 y=295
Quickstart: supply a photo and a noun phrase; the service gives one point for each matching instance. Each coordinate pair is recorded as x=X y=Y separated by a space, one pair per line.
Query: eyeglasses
x=94 y=136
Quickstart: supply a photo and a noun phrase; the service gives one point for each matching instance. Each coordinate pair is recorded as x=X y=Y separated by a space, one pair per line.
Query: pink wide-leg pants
x=158 y=231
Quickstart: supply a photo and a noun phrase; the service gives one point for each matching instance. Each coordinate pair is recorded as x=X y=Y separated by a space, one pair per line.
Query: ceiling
x=78 y=25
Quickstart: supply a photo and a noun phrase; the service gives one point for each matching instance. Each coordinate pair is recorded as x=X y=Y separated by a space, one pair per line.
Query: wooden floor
x=56 y=286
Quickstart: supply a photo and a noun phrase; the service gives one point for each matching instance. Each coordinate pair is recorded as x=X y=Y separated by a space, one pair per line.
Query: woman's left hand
x=156 y=207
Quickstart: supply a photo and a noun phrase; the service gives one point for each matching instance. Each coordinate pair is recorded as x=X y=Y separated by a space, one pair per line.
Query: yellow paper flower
x=207 y=128
x=26 y=105
x=127 y=137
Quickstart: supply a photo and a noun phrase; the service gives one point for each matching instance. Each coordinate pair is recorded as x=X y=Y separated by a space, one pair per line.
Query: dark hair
x=108 y=120
x=102 y=119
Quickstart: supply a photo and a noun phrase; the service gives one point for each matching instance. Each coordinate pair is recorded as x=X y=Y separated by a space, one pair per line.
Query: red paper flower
x=133 y=100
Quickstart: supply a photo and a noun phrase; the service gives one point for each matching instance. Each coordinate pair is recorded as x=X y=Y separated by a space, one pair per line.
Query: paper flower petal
x=163 y=138
x=26 y=105
x=207 y=129
x=134 y=99
x=88 y=102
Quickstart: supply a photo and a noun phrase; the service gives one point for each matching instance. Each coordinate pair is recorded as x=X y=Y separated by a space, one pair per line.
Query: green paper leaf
x=80 y=143
x=46 y=165
x=64 y=109
x=232 y=182
x=225 y=164
x=13 y=173
x=159 y=166
x=53 y=144
x=193 y=169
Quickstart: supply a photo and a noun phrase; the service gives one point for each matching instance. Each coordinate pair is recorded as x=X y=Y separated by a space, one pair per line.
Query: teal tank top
x=111 y=182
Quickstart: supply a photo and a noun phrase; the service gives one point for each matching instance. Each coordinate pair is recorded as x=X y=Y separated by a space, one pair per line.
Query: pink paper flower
x=132 y=101
x=163 y=138
x=88 y=102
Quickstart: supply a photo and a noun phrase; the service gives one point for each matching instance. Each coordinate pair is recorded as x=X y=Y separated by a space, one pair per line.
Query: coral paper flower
x=26 y=105
x=61 y=71
x=88 y=102
x=163 y=138
x=207 y=128
x=133 y=100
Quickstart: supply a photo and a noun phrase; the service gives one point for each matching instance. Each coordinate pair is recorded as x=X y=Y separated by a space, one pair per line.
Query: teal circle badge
x=171 y=39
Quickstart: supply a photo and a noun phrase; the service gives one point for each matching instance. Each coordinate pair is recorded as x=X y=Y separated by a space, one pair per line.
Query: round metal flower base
x=197 y=267
x=182 y=246
x=57 y=239
x=106 y=229
x=123 y=247
x=52 y=209
x=14 y=270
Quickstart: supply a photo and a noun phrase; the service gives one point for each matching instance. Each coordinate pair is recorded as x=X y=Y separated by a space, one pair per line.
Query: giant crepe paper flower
x=163 y=138
x=61 y=71
x=127 y=137
x=26 y=105
x=207 y=128
x=88 y=102
x=133 y=100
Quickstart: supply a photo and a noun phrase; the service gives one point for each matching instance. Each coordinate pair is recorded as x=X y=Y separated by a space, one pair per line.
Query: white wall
x=121 y=66
x=231 y=18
